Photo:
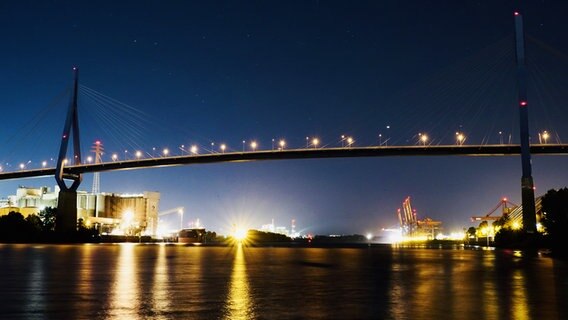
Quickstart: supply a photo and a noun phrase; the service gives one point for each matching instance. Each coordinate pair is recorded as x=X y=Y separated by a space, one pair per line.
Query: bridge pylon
x=527 y=184
x=66 y=219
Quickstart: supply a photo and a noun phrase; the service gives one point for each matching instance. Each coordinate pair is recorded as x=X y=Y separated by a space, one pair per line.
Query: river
x=158 y=281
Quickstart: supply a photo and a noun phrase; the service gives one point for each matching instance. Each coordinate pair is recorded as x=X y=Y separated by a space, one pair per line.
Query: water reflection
x=160 y=288
x=239 y=304
x=520 y=310
x=124 y=291
x=36 y=297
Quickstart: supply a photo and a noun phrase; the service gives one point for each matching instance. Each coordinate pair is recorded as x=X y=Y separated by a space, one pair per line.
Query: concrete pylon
x=66 y=218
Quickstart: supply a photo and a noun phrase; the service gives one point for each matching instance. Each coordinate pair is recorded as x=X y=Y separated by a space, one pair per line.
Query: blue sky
x=224 y=72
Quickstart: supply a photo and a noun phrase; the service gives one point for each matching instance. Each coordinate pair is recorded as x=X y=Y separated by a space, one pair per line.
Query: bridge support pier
x=66 y=218
x=528 y=203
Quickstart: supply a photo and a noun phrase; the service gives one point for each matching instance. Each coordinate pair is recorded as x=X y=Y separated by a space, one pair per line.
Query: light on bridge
x=165 y=152
x=44 y=164
x=223 y=147
x=138 y=154
x=543 y=137
x=315 y=142
x=460 y=138
x=193 y=149
x=114 y=157
x=22 y=166
x=350 y=141
x=282 y=144
x=423 y=138
x=253 y=145
x=89 y=159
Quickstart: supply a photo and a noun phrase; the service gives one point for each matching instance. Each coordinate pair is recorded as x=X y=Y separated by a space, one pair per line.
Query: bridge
x=71 y=170
x=290 y=154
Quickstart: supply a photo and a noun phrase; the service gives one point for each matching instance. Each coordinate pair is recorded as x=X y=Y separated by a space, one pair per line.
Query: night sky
x=197 y=72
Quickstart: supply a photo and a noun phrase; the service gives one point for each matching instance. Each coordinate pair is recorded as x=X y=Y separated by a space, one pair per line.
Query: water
x=138 y=281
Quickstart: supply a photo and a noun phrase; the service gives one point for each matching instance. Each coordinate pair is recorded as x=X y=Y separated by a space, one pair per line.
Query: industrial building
x=113 y=213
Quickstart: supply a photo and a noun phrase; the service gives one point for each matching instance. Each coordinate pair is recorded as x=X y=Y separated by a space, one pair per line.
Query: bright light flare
x=240 y=234
x=315 y=142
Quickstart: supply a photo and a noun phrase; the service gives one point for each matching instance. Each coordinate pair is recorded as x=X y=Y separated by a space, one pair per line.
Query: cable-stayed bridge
x=69 y=168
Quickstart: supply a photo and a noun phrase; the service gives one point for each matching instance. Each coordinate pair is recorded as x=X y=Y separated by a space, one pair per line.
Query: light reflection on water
x=124 y=291
x=160 y=287
x=136 y=281
x=240 y=303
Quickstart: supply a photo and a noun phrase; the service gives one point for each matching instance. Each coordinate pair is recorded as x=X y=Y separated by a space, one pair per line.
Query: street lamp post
x=460 y=138
x=545 y=136
x=315 y=142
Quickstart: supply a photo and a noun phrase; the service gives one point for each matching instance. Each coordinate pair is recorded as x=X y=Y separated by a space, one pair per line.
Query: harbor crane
x=506 y=208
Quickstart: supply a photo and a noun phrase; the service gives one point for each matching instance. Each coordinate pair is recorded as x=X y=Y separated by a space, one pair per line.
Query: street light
x=460 y=138
x=500 y=137
x=223 y=147
x=282 y=144
x=194 y=149
x=545 y=136
x=89 y=159
x=244 y=141
x=165 y=152
x=180 y=218
x=315 y=142
x=44 y=164
x=342 y=140
x=272 y=144
x=253 y=145
x=423 y=138
x=114 y=157
x=22 y=166
x=138 y=154
x=350 y=141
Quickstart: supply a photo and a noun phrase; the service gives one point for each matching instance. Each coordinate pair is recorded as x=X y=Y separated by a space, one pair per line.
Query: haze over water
x=141 y=281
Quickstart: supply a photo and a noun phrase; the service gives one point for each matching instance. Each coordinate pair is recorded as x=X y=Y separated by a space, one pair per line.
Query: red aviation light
x=523 y=103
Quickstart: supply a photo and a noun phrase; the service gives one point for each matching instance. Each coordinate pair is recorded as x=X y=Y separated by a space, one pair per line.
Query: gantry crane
x=407 y=217
x=505 y=210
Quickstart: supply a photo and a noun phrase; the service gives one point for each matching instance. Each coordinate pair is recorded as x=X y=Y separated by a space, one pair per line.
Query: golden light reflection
x=160 y=287
x=86 y=276
x=124 y=290
x=520 y=308
x=239 y=304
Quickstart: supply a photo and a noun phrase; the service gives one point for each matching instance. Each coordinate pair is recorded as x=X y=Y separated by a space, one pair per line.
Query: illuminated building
x=112 y=212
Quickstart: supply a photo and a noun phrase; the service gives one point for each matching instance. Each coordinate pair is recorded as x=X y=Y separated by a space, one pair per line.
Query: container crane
x=506 y=208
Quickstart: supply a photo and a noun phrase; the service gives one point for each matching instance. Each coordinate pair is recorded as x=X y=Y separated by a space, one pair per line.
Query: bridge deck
x=313 y=153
